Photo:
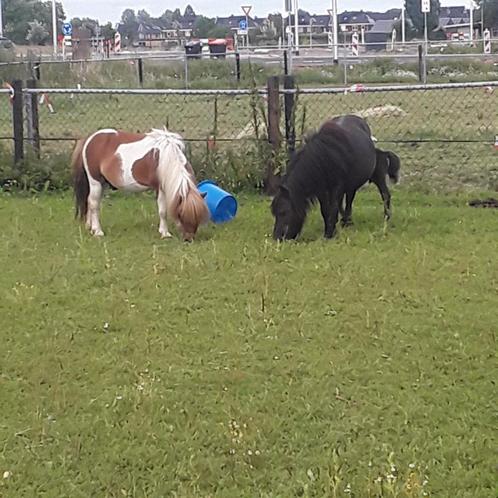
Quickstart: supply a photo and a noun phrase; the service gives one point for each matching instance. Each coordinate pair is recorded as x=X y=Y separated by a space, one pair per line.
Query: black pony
x=334 y=162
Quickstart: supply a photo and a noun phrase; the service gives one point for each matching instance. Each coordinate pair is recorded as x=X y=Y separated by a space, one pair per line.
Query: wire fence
x=444 y=134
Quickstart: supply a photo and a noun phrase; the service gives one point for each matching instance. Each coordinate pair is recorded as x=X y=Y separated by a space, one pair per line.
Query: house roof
x=232 y=21
x=454 y=12
x=355 y=18
x=385 y=16
x=383 y=26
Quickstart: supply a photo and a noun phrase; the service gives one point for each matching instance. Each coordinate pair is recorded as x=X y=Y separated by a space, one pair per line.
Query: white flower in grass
x=411 y=465
x=6 y=474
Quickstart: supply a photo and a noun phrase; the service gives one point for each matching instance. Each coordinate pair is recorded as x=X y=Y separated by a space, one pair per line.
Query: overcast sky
x=110 y=10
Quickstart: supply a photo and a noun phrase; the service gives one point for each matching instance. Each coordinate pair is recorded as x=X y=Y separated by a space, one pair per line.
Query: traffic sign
x=426 y=6
x=67 y=29
x=243 y=25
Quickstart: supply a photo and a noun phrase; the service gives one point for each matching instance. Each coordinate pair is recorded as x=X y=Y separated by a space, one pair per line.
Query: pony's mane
x=325 y=154
x=184 y=202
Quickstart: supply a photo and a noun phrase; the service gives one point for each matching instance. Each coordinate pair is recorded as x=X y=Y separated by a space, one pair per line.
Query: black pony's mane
x=324 y=158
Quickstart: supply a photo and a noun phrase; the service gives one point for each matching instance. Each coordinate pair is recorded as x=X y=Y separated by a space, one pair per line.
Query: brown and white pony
x=137 y=162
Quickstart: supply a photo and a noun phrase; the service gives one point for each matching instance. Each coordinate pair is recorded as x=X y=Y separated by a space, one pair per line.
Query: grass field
x=238 y=367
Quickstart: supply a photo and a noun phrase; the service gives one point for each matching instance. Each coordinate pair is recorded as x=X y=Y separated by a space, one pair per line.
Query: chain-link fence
x=444 y=134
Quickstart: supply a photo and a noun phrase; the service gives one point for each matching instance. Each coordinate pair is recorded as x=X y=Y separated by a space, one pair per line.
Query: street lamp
x=1 y=19
x=333 y=14
x=312 y=20
x=403 y=24
x=296 y=25
x=54 y=26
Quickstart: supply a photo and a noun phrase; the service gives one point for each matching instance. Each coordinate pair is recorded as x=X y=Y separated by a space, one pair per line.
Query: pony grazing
x=334 y=162
x=138 y=162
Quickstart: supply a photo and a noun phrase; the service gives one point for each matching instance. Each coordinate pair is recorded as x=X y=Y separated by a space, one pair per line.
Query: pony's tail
x=394 y=165
x=80 y=181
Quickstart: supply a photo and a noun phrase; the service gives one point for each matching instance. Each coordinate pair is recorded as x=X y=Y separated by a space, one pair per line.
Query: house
x=380 y=35
x=149 y=35
x=455 y=22
x=232 y=22
x=350 y=22
x=179 y=30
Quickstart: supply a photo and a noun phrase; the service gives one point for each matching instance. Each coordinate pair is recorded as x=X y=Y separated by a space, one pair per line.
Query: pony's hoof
x=97 y=233
x=346 y=223
x=166 y=235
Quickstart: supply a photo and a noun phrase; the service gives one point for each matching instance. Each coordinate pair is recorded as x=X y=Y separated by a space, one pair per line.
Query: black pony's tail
x=394 y=165
x=80 y=181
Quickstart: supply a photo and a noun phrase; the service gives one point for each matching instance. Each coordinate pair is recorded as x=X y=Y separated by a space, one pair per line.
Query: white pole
x=471 y=31
x=54 y=26
x=335 y=29
x=311 y=33
x=403 y=27
x=1 y=19
x=425 y=34
x=296 y=25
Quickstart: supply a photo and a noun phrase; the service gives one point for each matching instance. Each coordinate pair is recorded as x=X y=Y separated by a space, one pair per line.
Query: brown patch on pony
x=190 y=212
x=80 y=180
x=102 y=162
x=143 y=173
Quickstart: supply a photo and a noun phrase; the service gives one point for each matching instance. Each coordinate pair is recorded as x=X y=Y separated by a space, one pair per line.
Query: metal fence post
x=420 y=64
x=237 y=65
x=289 y=101
x=140 y=64
x=272 y=179
x=32 y=120
x=286 y=63
x=18 y=121
x=186 y=71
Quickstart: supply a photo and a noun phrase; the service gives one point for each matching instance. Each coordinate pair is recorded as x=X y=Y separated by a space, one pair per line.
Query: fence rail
x=440 y=130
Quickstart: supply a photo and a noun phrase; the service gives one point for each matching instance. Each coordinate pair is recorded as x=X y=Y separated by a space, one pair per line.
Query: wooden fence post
x=237 y=65
x=272 y=179
x=18 y=121
x=140 y=64
x=33 y=127
x=289 y=101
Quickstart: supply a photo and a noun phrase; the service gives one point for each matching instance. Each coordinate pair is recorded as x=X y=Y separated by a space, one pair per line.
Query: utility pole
x=1 y=19
x=54 y=26
x=335 y=28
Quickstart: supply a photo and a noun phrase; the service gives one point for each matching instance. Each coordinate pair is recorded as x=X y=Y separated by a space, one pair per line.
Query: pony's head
x=288 y=219
x=190 y=212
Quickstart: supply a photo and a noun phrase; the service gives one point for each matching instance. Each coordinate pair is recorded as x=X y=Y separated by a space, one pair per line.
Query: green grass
x=237 y=366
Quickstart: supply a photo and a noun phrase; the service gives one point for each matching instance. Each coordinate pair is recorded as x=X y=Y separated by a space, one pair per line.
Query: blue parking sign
x=67 y=29
x=243 y=24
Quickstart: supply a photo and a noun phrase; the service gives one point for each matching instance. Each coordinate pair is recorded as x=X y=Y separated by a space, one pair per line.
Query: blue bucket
x=222 y=205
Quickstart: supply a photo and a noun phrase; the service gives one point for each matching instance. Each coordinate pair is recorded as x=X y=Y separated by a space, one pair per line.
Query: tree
x=143 y=16
x=128 y=17
x=414 y=12
x=128 y=25
x=490 y=13
x=37 y=33
x=87 y=23
x=108 y=31
x=189 y=11
x=205 y=27
x=18 y=14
